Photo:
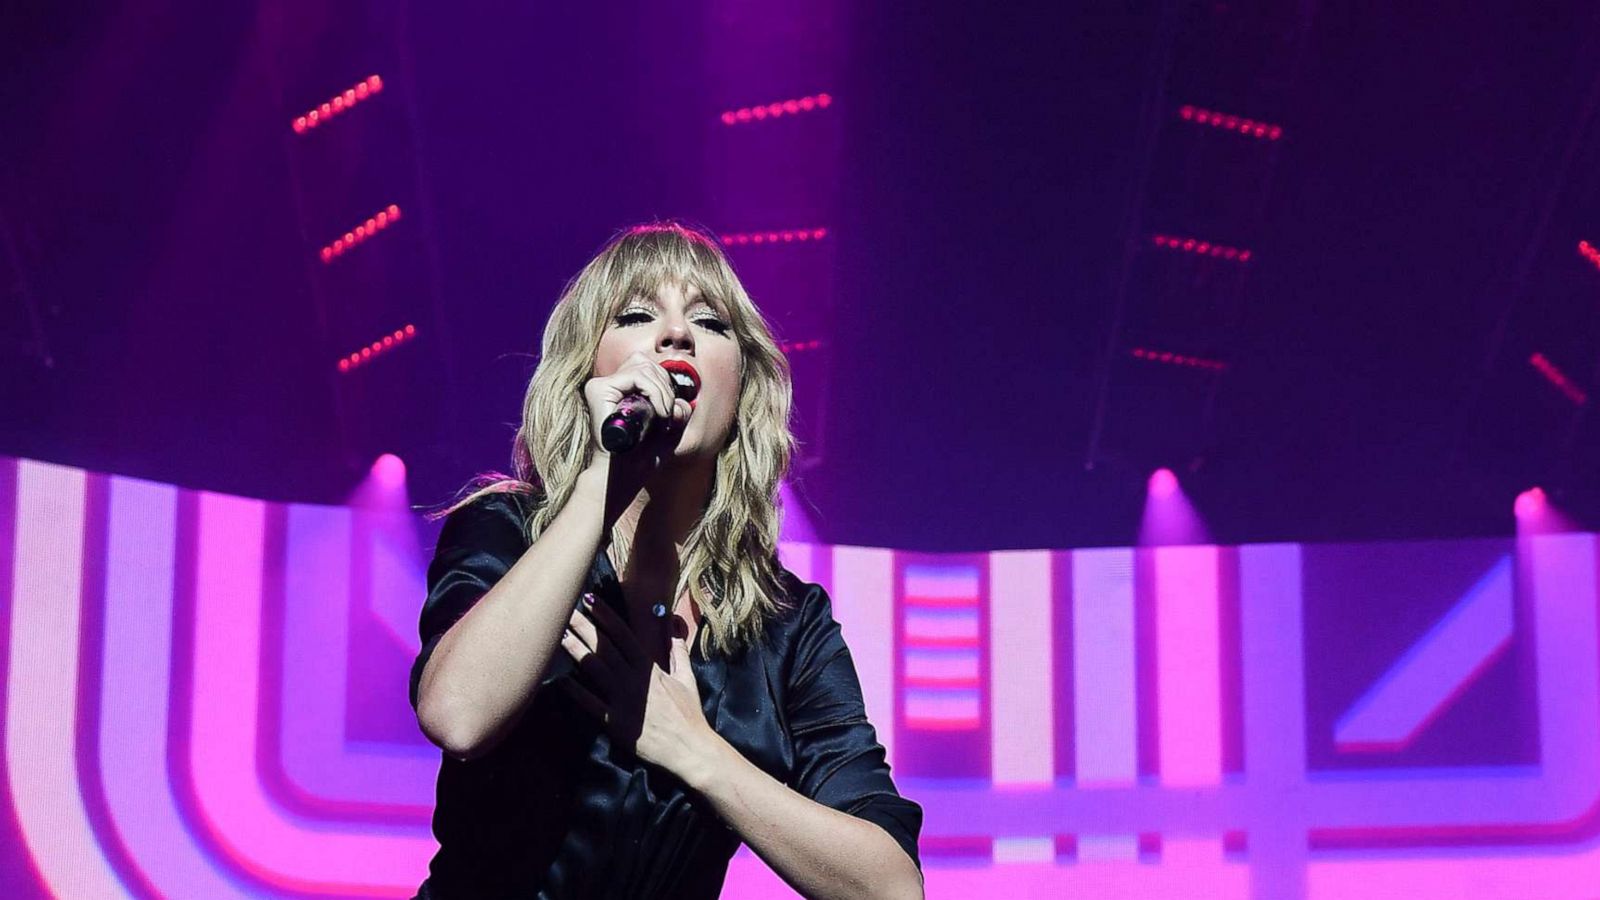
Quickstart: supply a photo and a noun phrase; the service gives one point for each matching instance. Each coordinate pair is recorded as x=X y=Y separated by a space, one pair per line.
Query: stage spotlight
x=1531 y=502
x=1163 y=484
x=389 y=471
x=1169 y=518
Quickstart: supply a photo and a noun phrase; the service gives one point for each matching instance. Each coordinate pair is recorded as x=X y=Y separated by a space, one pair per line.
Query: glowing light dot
x=389 y=471
x=411 y=329
x=824 y=100
x=374 y=83
x=1531 y=502
x=728 y=118
x=1163 y=484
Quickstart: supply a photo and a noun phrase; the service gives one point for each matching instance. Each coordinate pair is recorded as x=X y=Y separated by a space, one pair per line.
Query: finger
x=585 y=699
x=585 y=659
x=579 y=624
x=681 y=410
x=617 y=631
x=681 y=667
x=653 y=380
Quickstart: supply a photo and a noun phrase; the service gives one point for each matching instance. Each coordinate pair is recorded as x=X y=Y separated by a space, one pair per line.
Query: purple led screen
x=204 y=696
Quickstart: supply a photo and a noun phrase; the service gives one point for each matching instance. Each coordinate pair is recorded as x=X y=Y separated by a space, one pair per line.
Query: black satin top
x=555 y=811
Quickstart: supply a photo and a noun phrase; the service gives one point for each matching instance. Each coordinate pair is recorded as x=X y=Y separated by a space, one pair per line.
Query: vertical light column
x=863 y=604
x=1021 y=679
x=1105 y=687
x=42 y=684
x=1188 y=683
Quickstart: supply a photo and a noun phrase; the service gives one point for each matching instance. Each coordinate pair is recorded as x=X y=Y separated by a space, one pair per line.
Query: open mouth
x=685 y=380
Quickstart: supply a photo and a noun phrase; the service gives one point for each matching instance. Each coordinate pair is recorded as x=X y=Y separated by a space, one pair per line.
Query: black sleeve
x=477 y=546
x=838 y=760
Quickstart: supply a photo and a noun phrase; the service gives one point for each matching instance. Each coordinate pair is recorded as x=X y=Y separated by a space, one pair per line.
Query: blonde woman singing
x=625 y=682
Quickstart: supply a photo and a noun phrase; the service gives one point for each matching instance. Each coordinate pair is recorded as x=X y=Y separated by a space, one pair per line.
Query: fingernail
x=588 y=599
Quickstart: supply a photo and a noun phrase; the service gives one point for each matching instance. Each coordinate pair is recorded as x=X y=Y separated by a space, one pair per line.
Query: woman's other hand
x=654 y=711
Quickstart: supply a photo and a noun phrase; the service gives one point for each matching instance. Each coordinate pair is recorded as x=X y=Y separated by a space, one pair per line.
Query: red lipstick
x=690 y=391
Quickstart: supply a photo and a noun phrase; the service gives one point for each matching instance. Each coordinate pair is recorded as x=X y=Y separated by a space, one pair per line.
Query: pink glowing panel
x=42 y=684
x=931 y=708
x=136 y=700
x=1021 y=667
x=274 y=846
x=942 y=667
x=946 y=627
x=1188 y=670
x=863 y=603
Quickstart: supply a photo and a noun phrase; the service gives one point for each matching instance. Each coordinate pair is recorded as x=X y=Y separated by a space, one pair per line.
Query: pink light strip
x=136 y=692
x=1167 y=357
x=863 y=604
x=775 y=237
x=371 y=86
x=387 y=342
x=42 y=684
x=1188 y=667
x=1200 y=248
x=1237 y=124
x=1558 y=379
x=776 y=110
x=1590 y=252
x=799 y=346
x=375 y=223
x=1022 y=749
x=266 y=841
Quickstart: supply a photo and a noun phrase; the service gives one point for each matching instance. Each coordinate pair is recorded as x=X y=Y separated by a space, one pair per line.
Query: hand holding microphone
x=625 y=405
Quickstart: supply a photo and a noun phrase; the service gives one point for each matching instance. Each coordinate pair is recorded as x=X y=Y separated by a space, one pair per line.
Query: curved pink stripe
x=134 y=688
x=42 y=684
x=271 y=844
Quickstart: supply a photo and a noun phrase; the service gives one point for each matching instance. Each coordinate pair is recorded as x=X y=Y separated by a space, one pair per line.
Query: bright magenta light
x=1531 y=502
x=776 y=109
x=338 y=103
x=389 y=471
x=1236 y=124
x=1163 y=484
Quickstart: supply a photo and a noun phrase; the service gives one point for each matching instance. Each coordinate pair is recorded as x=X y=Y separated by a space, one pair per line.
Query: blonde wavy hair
x=730 y=565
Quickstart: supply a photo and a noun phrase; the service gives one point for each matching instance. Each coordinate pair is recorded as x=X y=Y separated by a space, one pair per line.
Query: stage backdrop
x=205 y=696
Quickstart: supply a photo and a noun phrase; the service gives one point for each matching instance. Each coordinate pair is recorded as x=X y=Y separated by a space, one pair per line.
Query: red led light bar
x=338 y=103
x=775 y=237
x=383 y=219
x=382 y=345
x=1589 y=252
x=1558 y=379
x=799 y=346
x=775 y=110
x=1200 y=248
x=1236 y=124
x=1177 y=359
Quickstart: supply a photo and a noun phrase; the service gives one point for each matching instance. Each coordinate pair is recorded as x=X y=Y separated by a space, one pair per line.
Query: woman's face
x=677 y=323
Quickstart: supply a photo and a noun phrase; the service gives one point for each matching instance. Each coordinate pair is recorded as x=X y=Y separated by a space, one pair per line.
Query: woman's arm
x=488 y=664
x=820 y=852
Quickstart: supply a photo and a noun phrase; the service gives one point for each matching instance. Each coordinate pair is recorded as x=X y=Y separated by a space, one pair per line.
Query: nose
x=675 y=335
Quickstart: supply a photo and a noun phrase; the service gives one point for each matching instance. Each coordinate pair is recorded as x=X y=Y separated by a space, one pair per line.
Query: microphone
x=626 y=426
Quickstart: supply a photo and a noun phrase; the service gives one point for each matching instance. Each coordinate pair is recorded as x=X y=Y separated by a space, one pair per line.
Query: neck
x=656 y=525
